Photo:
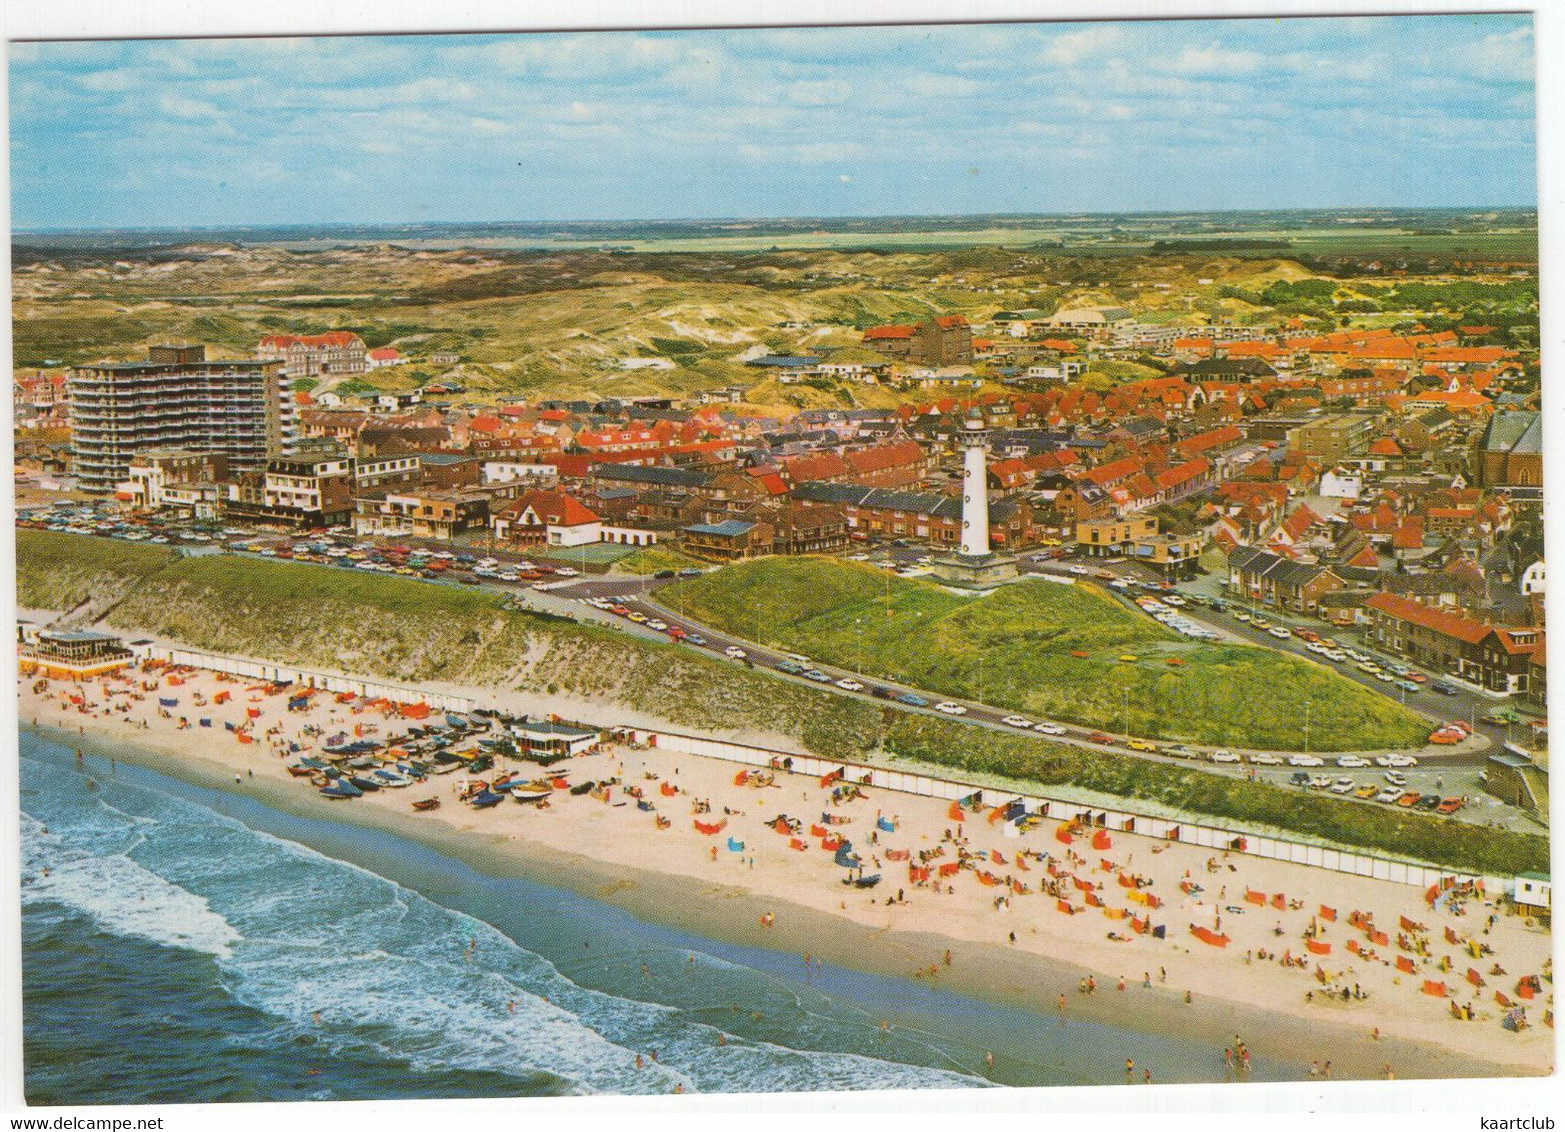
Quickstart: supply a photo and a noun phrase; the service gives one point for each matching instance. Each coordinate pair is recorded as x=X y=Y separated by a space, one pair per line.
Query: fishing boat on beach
x=530 y=794
x=367 y=785
x=424 y=805
x=485 y=800
x=337 y=791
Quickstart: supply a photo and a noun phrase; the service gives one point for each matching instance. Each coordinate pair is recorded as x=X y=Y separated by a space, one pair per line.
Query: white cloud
x=1213 y=61
x=827 y=92
x=178 y=106
x=1070 y=48
x=115 y=80
x=1504 y=55
x=942 y=86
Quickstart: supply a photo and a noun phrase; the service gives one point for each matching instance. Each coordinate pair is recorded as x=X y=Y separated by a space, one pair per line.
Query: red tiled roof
x=881 y=332
x=950 y=321
x=554 y=508
x=1446 y=624
x=1184 y=473
x=882 y=456
x=1114 y=472
x=1385 y=446
x=330 y=338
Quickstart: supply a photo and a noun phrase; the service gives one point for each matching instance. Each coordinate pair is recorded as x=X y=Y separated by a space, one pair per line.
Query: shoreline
x=1025 y=976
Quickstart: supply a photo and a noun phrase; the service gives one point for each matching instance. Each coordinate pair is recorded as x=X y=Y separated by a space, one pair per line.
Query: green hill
x=1016 y=648
x=405 y=630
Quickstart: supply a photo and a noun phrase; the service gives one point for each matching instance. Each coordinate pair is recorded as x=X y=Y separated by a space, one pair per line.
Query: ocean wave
x=120 y=896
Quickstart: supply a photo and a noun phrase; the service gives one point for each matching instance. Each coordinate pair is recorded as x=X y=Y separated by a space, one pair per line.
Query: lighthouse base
x=980 y=572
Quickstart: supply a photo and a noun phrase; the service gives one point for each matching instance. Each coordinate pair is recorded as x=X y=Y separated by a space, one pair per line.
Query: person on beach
x=989 y=1061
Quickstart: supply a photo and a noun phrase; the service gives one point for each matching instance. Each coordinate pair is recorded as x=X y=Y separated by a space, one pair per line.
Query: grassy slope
x=314 y=615
x=1017 y=643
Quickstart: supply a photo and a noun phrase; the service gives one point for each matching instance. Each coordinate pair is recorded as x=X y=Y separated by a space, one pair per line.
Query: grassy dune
x=1016 y=648
x=401 y=629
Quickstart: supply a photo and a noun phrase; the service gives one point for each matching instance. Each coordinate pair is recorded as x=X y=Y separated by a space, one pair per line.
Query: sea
x=188 y=945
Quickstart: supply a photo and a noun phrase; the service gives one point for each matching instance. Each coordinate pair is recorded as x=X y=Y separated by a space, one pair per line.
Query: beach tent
x=795 y=843
x=1064 y=906
x=1328 y=913
x=1280 y=901
x=1318 y=947
x=1474 y=977
x=1254 y=897
x=709 y=830
x=1206 y=935
x=1404 y=964
x=741 y=778
x=667 y=789
x=1101 y=840
x=1434 y=988
x=955 y=812
x=1063 y=835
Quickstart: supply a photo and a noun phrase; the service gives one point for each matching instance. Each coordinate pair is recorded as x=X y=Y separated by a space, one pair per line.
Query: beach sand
x=613 y=851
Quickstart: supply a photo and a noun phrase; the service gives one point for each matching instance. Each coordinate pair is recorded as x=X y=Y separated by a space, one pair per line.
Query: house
x=1091 y=322
x=728 y=541
x=433 y=514
x=1270 y=579
x=550 y=518
x=1532 y=894
x=942 y=341
x=1493 y=658
x=315 y=355
x=382 y=356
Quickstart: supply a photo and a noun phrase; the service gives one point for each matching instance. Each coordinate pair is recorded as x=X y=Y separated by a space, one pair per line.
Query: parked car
x=792 y=668
x=949 y=708
x=1367 y=791
x=1100 y=737
x=1016 y=721
x=1450 y=805
x=1409 y=799
x=1428 y=803
x=850 y=685
x=1298 y=778
x=1395 y=777
x=1388 y=795
x=734 y=652
x=913 y=699
x=1142 y=745
x=1305 y=760
x=1222 y=756
x=817 y=675
x=1352 y=762
x=1266 y=760
x=1180 y=751
x=1048 y=728
x=1443 y=689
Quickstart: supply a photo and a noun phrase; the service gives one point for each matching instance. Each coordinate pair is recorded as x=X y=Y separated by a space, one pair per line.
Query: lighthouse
x=975 y=488
x=974 y=565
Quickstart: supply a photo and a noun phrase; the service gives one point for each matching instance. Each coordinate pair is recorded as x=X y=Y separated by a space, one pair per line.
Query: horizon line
x=15 y=231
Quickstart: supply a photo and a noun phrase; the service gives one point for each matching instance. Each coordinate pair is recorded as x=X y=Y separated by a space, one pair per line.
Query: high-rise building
x=175 y=399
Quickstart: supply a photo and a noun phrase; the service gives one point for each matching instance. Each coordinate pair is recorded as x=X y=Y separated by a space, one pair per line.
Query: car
x=677 y=632
x=913 y=699
x=1409 y=799
x=1047 y=728
x=1449 y=805
x=1307 y=635
x=1401 y=760
x=660 y=626
x=1418 y=677
x=1443 y=689
x=1336 y=656
x=1396 y=778
x=791 y=667
x=1142 y=745
x=1428 y=803
x=1280 y=633
x=816 y=675
x=1017 y=721
x=1367 y=791
x=1266 y=760
x=1298 y=778
x=1180 y=751
x=687 y=572
x=850 y=685
x=1100 y=737
x=1320 y=781
x=948 y=708
x=1221 y=756
x=1241 y=615
x=1367 y=667
x=1352 y=762
x=1262 y=623
x=1305 y=760
x=1384 y=677
x=1408 y=686
x=1076 y=568
x=637 y=616
x=734 y=652
x=697 y=639
x=1388 y=795
x=664 y=574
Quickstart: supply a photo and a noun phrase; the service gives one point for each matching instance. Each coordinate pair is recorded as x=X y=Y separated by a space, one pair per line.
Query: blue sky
x=1063 y=117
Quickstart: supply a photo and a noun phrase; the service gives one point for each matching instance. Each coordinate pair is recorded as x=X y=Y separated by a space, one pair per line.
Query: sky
x=934 y=119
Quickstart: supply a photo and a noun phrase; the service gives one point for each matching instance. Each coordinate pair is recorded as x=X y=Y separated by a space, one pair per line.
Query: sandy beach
x=1006 y=941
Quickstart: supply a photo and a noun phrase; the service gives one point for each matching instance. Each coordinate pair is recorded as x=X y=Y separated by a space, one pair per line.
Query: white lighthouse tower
x=975 y=565
x=975 y=488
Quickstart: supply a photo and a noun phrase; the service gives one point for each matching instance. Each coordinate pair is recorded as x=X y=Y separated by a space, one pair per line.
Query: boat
x=503 y=783
x=300 y=771
x=365 y=784
x=392 y=778
x=867 y=882
x=427 y=804
x=313 y=764
x=485 y=800
x=337 y=791
x=530 y=794
x=582 y=788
